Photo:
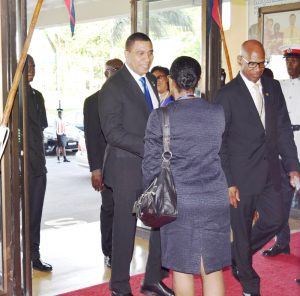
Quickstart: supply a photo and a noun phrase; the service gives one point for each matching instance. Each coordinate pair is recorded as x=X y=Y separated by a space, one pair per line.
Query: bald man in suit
x=258 y=131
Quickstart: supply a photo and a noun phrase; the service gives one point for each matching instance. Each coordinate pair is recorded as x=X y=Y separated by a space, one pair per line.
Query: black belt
x=295 y=127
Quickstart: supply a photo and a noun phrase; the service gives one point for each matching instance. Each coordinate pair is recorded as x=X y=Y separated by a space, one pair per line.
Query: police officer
x=291 y=89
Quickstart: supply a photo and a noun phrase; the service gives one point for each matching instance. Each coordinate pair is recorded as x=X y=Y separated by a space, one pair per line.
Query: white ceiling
x=54 y=12
x=50 y=4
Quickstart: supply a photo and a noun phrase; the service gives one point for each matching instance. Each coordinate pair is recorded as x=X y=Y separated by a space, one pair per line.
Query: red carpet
x=277 y=277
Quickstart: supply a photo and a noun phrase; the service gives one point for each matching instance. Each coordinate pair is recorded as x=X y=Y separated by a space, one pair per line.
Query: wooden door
x=15 y=267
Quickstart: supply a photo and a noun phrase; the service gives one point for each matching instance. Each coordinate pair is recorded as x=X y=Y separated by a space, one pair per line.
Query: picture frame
x=279 y=25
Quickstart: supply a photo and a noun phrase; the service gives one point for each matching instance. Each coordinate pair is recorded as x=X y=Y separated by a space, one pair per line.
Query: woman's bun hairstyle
x=186 y=72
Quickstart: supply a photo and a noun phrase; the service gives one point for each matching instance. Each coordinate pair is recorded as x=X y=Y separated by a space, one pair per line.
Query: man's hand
x=292 y=175
x=96 y=179
x=234 y=196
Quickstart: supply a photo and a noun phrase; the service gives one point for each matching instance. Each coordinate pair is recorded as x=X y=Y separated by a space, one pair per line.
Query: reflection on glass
x=175 y=30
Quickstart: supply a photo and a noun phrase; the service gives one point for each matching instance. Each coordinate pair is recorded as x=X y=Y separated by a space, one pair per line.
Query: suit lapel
x=266 y=94
x=153 y=84
x=248 y=101
x=135 y=89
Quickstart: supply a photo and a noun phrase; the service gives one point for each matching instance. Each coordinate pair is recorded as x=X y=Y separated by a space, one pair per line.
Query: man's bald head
x=252 y=47
x=112 y=66
x=252 y=59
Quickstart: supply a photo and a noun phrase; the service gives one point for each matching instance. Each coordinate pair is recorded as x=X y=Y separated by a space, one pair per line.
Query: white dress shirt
x=250 y=86
x=137 y=77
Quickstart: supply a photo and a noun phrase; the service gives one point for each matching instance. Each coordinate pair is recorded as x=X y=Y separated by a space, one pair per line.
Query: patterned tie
x=259 y=102
x=146 y=93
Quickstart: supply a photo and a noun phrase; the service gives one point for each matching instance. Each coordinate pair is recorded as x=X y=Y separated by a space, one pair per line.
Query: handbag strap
x=167 y=154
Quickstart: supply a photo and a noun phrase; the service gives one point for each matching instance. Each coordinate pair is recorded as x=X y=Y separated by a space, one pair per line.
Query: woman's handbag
x=157 y=206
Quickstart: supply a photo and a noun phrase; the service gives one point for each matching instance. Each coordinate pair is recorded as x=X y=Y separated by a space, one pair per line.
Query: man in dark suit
x=125 y=102
x=37 y=173
x=95 y=145
x=258 y=131
x=291 y=89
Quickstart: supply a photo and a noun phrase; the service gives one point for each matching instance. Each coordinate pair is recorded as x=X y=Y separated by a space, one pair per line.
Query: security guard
x=291 y=90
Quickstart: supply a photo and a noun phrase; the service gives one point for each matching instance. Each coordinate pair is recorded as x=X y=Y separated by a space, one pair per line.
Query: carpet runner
x=277 y=276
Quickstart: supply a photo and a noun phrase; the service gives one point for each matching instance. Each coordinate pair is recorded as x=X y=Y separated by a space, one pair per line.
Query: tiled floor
x=75 y=253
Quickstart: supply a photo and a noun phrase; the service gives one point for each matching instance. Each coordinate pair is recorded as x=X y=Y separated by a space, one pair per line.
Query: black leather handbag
x=157 y=206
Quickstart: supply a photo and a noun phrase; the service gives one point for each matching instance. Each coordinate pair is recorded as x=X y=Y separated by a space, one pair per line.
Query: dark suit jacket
x=123 y=114
x=94 y=138
x=249 y=153
x=37 y=122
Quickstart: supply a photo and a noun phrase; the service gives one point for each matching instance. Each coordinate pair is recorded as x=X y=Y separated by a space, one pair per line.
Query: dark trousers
x=124 y=227
x=154 y=273
x=37 y=189
x=284 y=236
x=106 y=220
x=247 y=239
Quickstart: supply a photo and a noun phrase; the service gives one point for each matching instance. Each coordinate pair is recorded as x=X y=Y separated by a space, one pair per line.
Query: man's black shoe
x=66 y=160
x=235 y=271
x=276 y=250
x=38 y=264
x=250 y=294
x=297 y=281
x=158 y=289
x=114 y=293
x=107 y=261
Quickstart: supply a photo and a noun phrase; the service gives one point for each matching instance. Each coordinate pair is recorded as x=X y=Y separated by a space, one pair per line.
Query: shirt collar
x=249 y=83
x=135 y=75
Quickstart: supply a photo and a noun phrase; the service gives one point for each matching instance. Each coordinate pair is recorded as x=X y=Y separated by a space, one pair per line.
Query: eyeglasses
x=253 y=65
x=160 y=76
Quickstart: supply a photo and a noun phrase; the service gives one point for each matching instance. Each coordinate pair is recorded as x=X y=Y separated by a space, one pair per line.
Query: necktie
x=259 y=103
x=146 y=93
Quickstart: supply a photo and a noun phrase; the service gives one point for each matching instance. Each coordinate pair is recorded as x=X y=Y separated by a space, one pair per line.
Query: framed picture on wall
x=279 y=25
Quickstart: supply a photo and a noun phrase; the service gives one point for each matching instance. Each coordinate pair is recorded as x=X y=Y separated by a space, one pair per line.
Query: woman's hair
x=186 y=72
x=160 y=69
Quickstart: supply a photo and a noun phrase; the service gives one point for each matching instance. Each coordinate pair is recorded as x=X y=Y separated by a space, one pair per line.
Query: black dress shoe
x=250 y=294
x=38 y=264
x=297 y=281
x=114 y=293
x=235 y=271
x=276 y=250
x=158 y=289
x=107 y=261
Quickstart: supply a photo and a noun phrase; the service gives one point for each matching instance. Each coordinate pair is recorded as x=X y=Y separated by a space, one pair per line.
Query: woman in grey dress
x=198 y=241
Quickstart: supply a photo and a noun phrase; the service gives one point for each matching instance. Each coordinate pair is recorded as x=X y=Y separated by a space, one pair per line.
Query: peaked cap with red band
x=290 y=50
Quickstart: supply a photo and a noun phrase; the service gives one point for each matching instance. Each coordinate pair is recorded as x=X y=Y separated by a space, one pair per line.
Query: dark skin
x=31 y=68
x=293 y=66
x=252 y=51
x=111 y=67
